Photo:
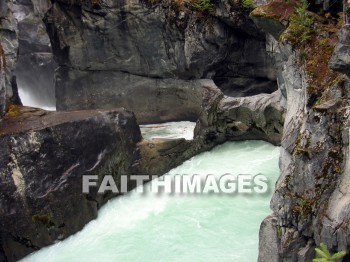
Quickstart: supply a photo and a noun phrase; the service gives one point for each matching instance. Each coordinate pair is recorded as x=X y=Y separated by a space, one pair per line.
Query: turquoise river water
x=205 y=227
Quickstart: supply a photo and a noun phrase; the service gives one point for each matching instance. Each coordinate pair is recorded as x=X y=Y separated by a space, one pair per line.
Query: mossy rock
x=13 y=111
x=44 y=219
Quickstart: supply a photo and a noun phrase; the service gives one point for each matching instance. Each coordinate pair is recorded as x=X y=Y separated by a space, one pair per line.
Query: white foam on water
x=147 y=227
x=182 y=129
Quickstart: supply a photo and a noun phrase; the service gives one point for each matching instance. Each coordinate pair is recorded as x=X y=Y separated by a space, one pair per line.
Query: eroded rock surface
x=221 y=119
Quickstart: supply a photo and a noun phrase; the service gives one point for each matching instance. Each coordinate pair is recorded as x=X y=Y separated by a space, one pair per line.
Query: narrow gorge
x=83 y=82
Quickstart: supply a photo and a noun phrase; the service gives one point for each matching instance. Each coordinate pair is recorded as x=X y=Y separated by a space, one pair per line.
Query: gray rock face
x=42 y=160
x=307 y=203
x=336 y=231
x=158 y=156
x=241 y=87
x=159 y=42
x=35 y=66
x=152 y=100
x=269 y=240
x=269 y=25
x=8 y=54
x=256 y=117
x=223 y=118
x=141 y=41
x=341 y=57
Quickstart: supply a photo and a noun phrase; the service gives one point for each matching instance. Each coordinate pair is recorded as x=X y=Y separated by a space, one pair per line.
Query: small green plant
x=302 y=202
x=279 y=232
x=324 y=41
x=248 y=4
x=203 y=5
x=301 y=26
x=325 y=256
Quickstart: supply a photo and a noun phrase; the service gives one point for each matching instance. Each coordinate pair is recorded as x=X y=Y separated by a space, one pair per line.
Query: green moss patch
x=44 y=219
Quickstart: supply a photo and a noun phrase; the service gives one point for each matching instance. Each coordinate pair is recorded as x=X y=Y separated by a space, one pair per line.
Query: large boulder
x=259 y=117
x=42 y=160
x=158 y=156
x=268 y=240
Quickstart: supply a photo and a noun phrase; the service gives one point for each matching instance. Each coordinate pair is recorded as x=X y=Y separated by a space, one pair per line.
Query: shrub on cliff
x=248 y=5
x=301 y=24
x=325 y=256
x=203 y=5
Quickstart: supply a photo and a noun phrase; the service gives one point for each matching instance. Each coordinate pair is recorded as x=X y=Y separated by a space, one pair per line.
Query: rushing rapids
x=144 y=227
